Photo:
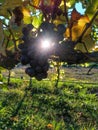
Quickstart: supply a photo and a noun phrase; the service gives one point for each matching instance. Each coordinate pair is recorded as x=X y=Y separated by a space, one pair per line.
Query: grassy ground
x=70 y=106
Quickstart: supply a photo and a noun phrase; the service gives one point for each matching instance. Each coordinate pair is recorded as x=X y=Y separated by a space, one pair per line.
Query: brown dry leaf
x=75 y=16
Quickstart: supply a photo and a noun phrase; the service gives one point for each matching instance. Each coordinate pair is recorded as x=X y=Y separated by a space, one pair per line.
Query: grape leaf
x=37 y=20
x=75 y=16
x=92 y=8
x=77 y=28
x=26 y=15
x=70 y=3
x=36 y=2
x=89 y=43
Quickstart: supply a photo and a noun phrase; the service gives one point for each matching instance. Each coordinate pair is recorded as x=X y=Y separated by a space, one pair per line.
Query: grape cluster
x=52 y=31
x=10 y=60
x=51 y=9
x=31 y=51
x=18 y=15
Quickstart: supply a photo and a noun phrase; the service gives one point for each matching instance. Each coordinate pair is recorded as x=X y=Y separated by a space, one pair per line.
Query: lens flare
x=46 y=44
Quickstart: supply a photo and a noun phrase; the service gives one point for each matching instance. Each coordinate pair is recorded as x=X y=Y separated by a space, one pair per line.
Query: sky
x=79 y=8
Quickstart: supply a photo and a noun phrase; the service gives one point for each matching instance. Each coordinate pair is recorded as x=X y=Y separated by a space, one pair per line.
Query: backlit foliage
x=15 y=14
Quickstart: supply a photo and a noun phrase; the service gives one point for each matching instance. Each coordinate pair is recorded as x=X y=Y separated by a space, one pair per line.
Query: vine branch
x=65 y=12
x=58 y=74
x=12 y=34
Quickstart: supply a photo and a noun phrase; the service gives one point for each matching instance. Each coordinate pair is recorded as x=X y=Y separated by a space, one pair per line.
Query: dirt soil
x=78 y=74
x=81 y=74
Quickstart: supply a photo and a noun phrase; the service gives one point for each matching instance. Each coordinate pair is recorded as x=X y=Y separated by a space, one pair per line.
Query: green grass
x=71 y=106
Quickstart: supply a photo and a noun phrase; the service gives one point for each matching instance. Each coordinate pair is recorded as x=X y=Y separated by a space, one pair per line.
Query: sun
x=46 y=44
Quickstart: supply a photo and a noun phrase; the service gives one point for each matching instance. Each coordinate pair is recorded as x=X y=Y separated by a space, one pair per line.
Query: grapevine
x=56 y=33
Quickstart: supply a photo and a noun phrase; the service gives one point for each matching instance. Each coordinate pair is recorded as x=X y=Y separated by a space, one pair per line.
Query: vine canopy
x=81 y=28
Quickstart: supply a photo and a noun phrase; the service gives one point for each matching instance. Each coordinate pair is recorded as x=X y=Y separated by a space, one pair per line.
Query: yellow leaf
x=36 y=2
x=77 y=28
x=26 y=14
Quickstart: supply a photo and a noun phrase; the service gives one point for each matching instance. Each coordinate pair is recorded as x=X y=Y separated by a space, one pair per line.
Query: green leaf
x=37 y=20
x=92 y=8
x=70 y=3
